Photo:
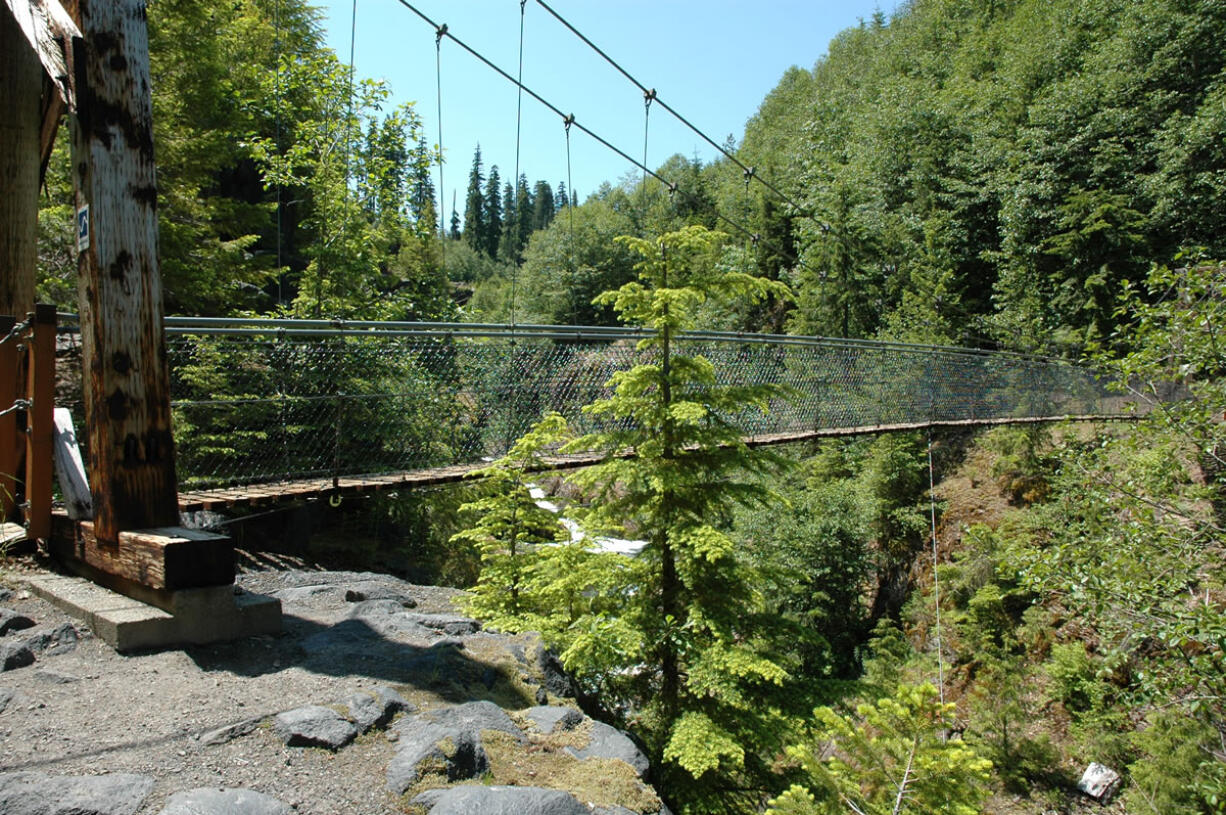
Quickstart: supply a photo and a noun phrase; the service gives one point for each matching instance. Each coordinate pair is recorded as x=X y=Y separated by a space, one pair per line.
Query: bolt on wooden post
x=126 y=379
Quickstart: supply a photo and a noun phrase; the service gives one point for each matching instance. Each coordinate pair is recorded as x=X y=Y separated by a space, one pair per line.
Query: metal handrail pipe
x=242 y=326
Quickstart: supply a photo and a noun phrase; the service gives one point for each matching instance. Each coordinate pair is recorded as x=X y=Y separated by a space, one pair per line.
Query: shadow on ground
x=353 y=647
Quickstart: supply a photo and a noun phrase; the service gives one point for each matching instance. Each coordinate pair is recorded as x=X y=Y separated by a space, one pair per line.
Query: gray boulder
x=551 y=718
x=14 y=656
x=41 y=794
x=427 y=747
x=446 y=741
x=378 y=607
x=374 y=708
x=221 y=801
x=557 y=680
x=314 y=726
x=370 y=590
x=475 y=716
x=609 y=742
x=52 y=639
x=450 y=624
x=12 y=621
x=472 y=800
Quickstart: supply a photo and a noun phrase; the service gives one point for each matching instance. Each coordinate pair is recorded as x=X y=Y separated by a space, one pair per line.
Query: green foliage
x=510 y=528
x=1024 y=461
x=893 y=757
x=1003 y=710
x=1180 y=771
x=1129 y=542
x=533 y=576
x=694 y=614
x=816 y=566
x=995 y=171
x=1074 y=679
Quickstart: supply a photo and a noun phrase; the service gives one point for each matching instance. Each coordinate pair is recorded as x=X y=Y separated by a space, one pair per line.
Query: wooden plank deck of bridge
x=273 y=492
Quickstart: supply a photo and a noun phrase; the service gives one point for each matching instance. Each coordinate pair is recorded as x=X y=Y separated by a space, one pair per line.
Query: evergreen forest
x=904 y=623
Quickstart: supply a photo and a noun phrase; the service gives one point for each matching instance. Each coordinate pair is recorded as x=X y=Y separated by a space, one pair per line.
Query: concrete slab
x=197 y=616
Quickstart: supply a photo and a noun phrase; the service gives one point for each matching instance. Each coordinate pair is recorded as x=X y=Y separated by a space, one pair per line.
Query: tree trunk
x=127 y=387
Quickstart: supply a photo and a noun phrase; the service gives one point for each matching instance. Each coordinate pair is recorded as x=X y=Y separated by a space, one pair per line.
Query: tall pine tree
x=542 y=205
x=474 y=207
x=493 y=214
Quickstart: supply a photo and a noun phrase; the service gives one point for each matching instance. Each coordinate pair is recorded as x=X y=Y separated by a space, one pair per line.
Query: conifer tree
x=494 y=214
x=542 y=205
x=506 y=241
x=704 y=704
x=474 y=207
x=509 y=528
x=422 y=183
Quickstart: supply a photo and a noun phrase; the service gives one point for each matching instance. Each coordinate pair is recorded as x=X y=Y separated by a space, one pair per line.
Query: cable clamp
x=750 y=172
x=19 y=404
x=567 y=121
x=754 y=238
x=672 y=188
x=649 y=97
x=439 y=34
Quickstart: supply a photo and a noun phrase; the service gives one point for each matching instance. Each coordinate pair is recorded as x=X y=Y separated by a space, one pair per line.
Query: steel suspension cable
x=569 y=119
x=442 y=191
x=748 y=170
x=519 y=110
x=570 y=217
x=648 y=96
x=443 y=32
x=936 y=583
x=353 y=34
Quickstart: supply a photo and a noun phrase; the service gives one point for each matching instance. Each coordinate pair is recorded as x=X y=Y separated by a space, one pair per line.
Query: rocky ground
x=378 y=697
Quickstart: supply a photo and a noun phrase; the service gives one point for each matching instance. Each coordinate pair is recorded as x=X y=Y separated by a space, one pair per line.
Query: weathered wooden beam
x=49 y=29
x=20 y=121
x=40 y=447
x=126 y=378
x=160 y=560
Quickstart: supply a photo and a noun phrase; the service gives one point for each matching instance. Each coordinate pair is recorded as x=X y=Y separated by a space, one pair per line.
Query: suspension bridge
x=268 y=410
x=265 y=410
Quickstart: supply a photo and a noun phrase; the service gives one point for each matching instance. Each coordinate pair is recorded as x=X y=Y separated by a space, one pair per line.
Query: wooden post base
x=148 y=565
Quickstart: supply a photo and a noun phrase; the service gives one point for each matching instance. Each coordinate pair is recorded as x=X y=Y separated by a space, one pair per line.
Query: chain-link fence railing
x=266 y=400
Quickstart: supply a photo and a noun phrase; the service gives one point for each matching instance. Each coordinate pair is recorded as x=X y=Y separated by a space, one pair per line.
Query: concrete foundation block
x=196 y=616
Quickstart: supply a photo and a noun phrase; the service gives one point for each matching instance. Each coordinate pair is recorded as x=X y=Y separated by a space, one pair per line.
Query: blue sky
x=713 y=62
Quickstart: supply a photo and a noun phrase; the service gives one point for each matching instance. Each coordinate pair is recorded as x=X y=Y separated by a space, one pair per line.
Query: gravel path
x=83 y=709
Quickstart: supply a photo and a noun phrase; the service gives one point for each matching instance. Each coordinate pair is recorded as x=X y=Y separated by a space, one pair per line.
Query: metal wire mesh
x=265 y=401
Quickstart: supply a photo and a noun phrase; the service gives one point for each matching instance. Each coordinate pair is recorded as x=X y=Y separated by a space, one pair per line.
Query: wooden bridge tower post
x=126 y=378
x=134 y=543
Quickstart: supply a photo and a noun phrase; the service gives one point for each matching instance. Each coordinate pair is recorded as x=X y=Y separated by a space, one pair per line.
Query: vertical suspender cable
x=353 y=34
x=936 y=584
x=277 y=94
x=570 y=219
x=648 y=96
x=438 y=81
x=519 y=108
